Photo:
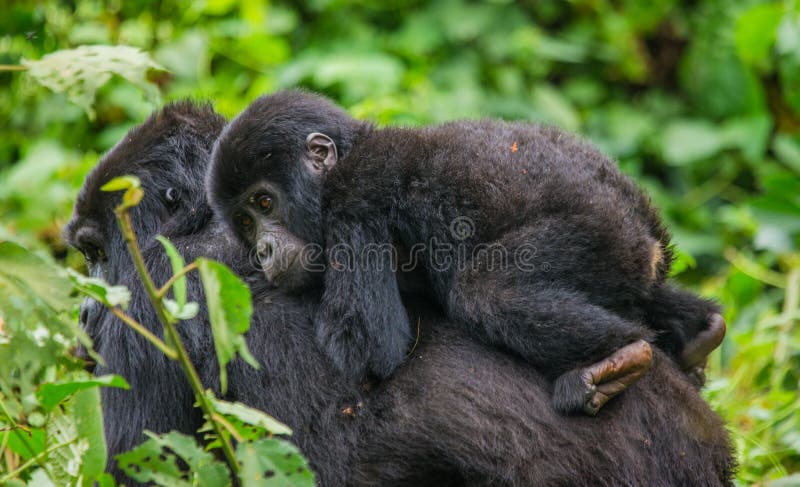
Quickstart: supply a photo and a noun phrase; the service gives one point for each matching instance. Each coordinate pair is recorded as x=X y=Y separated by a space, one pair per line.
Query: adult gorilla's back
x=457 y=413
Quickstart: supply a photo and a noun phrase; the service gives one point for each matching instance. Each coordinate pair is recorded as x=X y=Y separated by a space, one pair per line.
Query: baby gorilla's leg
x=556 y=330
x=691 y=327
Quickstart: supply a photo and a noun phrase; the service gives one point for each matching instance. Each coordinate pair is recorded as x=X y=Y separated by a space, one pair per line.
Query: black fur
x=456 y=414
x=597 y=253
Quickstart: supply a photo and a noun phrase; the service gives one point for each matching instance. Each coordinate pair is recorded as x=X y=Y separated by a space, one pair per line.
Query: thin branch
x=754 y=270
x=228 y=426
x=124 y=220
x=172 y=280
x=152 y=338
x=12 y=67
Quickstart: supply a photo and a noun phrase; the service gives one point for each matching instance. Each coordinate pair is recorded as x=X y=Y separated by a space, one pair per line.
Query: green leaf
x=185 y=312
x=749 y=134
x=80 y=72
x=122 y=182
x=756 y=30
x=27 y=444
x=229 y=310
x=787 y=149
x=249 y=416
x=65 y=462
x=176 y=260
x=85 y=408
x=686 y=141
x=100 y=290
x=155 y=461
x=49 y=395
x=48 y=281
x=273 y=462
x=133 y=190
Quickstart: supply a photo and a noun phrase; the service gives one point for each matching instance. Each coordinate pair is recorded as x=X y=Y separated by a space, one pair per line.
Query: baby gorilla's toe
x=588 y=389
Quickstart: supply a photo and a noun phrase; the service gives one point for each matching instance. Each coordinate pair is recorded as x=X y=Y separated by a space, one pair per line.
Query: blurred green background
x=698 y=100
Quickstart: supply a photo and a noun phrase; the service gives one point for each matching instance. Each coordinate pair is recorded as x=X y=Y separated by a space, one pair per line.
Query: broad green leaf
x=155 y=461
x=176 y=260
x=686 y=141
x=65 y=462
x=51 y=394
x=748 y=134
x=106 y=480
x=149 y=463
x=249 y=415
x=100 y=290
x=27 y=444
x=48 y=281
x=229 y=310
x=86 y=409
x=756 y=30
x=82 y=71
x=273 y=462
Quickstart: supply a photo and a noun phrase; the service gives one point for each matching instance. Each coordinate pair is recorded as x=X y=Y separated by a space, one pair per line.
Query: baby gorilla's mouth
x=276 y=272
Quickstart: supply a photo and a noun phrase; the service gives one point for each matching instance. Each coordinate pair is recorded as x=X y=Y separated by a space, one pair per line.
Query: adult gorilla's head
x=169 y=153
x=455 y=414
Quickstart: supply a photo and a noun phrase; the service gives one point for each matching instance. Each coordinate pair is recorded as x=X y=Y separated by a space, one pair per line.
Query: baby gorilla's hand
x=361 y=349
x=345 y=345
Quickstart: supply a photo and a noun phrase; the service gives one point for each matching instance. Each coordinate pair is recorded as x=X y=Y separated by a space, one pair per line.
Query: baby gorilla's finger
x=697 y=350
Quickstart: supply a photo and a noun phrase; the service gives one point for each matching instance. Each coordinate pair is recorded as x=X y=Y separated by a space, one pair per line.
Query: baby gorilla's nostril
x=264 y=251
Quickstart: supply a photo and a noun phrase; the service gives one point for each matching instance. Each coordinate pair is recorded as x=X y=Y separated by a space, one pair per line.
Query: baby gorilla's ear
x=321 y=155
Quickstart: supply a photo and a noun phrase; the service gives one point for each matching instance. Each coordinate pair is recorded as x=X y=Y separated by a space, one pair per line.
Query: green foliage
x=699 y=101
x=82 y=71
x=229 y=310
x=156 y=461
x=50 y=416
x=272 y=463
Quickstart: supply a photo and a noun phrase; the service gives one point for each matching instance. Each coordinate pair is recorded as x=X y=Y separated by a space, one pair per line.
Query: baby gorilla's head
x=266 y=177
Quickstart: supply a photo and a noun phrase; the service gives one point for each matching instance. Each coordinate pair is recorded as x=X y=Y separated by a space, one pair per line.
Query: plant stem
x=791 y=303
x=753 y=269
x=12 y=67
x=124 y=219
x=163 y=290
x=169 y=352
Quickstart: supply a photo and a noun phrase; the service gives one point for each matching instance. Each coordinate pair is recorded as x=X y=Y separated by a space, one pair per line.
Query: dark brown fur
x=456 y=414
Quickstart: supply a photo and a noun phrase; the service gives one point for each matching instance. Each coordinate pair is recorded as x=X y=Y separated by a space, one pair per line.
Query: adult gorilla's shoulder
x=455 y=414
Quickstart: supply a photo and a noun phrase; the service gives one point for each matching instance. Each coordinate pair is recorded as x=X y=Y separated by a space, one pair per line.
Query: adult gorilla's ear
x=322 y=154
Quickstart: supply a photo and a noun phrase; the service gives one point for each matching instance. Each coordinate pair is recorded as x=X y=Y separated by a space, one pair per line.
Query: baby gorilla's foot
x=588 y=389
x=695 y=354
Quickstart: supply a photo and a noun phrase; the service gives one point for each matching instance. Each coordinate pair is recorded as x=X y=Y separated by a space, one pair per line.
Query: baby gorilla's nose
x=264 y=251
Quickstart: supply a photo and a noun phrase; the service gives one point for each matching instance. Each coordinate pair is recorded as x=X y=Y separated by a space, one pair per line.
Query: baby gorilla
x=529 y=236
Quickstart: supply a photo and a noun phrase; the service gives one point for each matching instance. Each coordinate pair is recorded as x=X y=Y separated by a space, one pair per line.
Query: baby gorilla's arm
x=361 y=322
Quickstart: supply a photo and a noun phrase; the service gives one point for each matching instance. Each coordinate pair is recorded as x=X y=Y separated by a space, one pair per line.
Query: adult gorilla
x=455 y=414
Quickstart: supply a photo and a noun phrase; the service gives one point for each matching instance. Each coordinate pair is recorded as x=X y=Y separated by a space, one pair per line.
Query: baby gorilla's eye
x=245 y=220
x=265 y=203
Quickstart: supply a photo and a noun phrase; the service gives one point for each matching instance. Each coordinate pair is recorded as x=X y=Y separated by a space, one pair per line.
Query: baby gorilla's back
x=531 y=238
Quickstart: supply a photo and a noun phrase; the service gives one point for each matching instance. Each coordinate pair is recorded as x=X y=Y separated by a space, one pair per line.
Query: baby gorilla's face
x=286 y=260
